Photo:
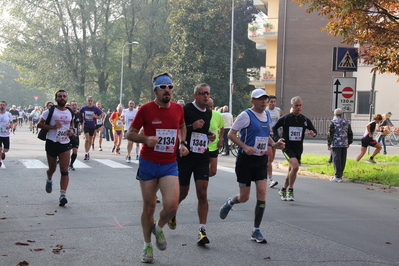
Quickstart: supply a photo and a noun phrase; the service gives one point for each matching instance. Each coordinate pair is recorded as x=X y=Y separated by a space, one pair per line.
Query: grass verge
x=385 y=172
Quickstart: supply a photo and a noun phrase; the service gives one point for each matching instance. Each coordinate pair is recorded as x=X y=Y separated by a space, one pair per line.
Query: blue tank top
x=256 y=129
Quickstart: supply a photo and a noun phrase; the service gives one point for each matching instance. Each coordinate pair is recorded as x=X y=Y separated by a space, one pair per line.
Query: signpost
x=343 y=94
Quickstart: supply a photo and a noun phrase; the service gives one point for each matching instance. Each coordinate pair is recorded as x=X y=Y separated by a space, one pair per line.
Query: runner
x=14 y=113
x=90 y=114
x=163 y=122
x=99 y=128
x=254 y=125
x=77 y=123
x=5 y=126
x=57 y=143
x=294 y=126
x=128 y=115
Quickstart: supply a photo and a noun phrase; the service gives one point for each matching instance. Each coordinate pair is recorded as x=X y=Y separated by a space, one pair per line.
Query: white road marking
x=111 y=163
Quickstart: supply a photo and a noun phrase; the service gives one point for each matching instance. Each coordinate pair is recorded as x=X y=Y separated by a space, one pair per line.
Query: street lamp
x=231 y=59
x=123 y=54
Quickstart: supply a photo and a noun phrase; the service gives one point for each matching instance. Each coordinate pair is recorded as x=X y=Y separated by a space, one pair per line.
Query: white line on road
x=79 y=164
x=33 y=163
x=111 y=163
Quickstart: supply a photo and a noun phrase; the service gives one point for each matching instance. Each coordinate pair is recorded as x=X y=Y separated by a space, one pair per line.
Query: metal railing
x=358 y=126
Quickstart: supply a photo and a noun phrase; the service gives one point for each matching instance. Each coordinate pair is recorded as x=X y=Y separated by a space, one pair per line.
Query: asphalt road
x=327 y=224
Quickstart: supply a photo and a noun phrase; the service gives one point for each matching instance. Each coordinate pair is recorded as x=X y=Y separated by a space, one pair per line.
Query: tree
x=201 y=48
x=373 y=24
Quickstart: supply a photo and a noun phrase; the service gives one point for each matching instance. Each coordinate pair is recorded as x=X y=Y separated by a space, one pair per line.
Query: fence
x=358 y=126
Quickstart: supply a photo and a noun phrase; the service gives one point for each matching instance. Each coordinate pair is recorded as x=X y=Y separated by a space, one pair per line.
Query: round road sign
x=347 y=92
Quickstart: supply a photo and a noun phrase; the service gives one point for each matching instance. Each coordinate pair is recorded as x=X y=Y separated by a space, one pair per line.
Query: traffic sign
x=343 y=94
x=345 y=59
x=36 y=98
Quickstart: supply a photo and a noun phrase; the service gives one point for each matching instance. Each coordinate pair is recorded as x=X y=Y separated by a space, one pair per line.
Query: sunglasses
x=203 y=93
x=163 y=87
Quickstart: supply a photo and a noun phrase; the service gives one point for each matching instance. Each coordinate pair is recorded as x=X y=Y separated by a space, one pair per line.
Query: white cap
x=257 y=93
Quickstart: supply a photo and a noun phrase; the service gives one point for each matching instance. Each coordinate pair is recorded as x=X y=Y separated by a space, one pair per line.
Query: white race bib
x=167 y=140
x=261 y=145
x=99 y=121
x=62 y=134
x=119 y=123
x=295 y=133
x=198 y=142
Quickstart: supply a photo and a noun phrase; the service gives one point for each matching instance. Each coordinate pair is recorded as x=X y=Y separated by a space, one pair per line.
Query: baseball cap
x=338 y=111
x=14 y=106
x=389 y=113
x=257 y=93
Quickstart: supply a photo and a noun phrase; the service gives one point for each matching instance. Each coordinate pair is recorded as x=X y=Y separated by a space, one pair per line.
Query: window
x=363 y=102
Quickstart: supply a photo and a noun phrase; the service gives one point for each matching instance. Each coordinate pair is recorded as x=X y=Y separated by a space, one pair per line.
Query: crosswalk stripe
x=79 y=164
x=33 y=163
x=111 y=163
x=227 y=169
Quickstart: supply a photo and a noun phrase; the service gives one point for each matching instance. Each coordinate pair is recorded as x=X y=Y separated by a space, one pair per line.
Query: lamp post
x=123 y=54
x=231 y=59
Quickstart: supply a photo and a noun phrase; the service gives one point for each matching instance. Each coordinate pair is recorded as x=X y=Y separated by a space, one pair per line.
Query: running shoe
x=172 y=223
x=71 y=168
x=290 y=195
x=371 y=160
x=137 y=157
x=258 y=237
x=118 y=150
x=113 y=149
x=225 y=209
x=202 y=238
x=128 y=159
x=3 y=155
x=283 y=194
x=147 y=255
x=336 y=179
x=272 y=183
x=160 y=237
x=87 y=157
x=63 y=200
x=100 y=149
x=49 y=186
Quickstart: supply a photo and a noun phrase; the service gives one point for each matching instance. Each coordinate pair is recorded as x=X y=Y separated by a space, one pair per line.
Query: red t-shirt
x=163 y=123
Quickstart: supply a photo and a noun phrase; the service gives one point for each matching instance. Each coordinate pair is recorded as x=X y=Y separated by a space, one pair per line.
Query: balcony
x=264 y=30
x=262 y=76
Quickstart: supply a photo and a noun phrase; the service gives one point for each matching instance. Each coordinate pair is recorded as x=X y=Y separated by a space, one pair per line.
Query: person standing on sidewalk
x=5 y=126
x=254 y=125
x=197 y=117
x=58 y=143
x=228 y=122
x=90 y=114
x=162 y=121
x=275 y=114
x=294 y=126
x=339 y=137
x=368 y=140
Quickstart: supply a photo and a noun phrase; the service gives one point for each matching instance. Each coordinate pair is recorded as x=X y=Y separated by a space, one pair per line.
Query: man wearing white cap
x=254 y=125
x=14 y=113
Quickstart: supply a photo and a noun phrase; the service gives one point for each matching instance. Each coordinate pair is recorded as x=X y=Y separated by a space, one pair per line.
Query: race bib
x=99 y=121
x=198 y=142
x=261 y=145
x=119 y=123
x=89 y=115
x=166 y=140
x=295 y=133
x=62 y=134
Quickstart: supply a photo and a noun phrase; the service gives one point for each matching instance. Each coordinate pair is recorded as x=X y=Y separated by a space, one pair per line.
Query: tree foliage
x=201 y=48
x=373 y=24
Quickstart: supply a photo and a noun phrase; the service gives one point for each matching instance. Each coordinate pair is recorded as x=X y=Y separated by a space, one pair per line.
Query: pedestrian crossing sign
x=345 y=59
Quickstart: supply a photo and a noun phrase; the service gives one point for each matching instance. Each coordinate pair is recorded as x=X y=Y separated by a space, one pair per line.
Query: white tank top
x=274 y=114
